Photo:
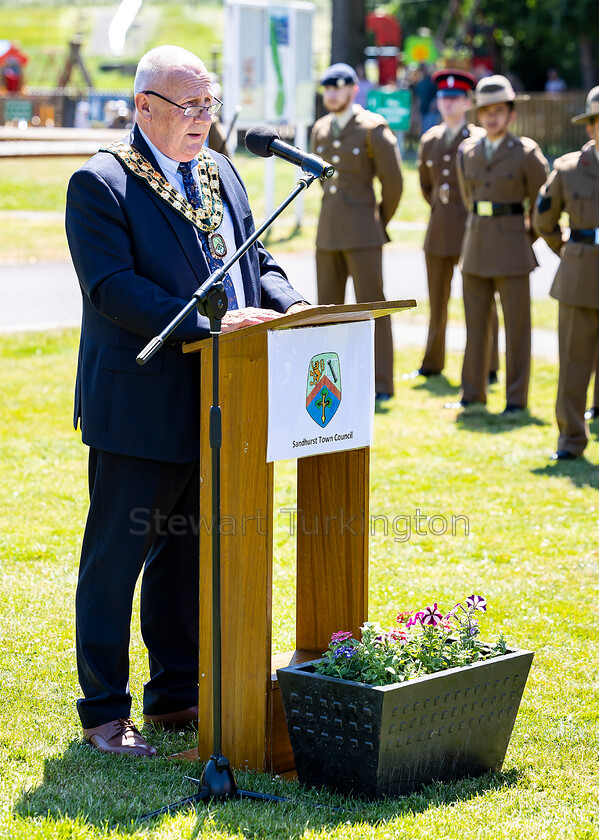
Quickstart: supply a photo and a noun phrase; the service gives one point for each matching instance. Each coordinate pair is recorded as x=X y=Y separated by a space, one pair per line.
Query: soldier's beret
x=339 y=75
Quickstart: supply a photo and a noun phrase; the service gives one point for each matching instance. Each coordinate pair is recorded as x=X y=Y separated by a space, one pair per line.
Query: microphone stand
x=218 y=781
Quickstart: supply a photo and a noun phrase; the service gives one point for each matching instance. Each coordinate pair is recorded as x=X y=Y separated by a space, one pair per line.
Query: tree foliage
x=525 y=38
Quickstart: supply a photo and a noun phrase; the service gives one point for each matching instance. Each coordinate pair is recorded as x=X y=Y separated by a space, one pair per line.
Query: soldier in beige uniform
x=439 y=184
x=573 y=187
x=498 y=175
x=351 y=227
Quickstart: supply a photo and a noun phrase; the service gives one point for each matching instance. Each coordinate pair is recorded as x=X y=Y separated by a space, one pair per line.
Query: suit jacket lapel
x=184 y=231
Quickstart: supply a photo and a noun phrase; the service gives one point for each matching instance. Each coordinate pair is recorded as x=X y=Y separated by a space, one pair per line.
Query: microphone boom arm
x=309 y=163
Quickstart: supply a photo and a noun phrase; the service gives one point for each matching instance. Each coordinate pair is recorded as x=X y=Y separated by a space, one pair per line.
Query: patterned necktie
x=193 y=196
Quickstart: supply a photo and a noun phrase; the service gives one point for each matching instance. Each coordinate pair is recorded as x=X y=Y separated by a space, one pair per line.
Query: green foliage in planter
x=424 y=642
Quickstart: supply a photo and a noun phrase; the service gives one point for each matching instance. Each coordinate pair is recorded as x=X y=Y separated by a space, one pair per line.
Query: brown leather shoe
x=174 y=720
x=119 y=736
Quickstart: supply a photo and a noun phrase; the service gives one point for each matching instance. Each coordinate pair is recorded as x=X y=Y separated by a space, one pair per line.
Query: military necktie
x=214 y=263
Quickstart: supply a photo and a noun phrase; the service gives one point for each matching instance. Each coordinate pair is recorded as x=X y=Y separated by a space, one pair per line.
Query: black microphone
x=264 y=142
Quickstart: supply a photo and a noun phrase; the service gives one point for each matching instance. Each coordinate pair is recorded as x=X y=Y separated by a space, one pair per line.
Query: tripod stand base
x=217 y=784
x=217 y=779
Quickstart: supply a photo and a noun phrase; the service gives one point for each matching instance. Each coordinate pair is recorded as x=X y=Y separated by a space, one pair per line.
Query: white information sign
x=320 y=389
x=268 y=62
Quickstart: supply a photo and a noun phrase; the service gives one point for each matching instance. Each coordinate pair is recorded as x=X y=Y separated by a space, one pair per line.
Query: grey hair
x=157 y=63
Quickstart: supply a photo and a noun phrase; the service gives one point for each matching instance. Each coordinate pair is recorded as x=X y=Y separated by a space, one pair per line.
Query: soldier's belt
x=590 y=236
x=492 y=208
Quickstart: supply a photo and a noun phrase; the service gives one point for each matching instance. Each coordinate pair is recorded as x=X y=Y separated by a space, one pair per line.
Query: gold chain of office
x=207 y=217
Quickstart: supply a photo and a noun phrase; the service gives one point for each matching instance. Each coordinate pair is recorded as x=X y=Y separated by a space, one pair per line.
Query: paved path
x=36 y=296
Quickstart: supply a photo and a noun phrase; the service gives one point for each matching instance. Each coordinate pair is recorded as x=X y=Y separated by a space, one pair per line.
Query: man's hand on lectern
x=297 y=307
x=235 y=319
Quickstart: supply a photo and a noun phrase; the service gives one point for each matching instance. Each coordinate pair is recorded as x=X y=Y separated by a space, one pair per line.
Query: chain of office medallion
x=207 y=217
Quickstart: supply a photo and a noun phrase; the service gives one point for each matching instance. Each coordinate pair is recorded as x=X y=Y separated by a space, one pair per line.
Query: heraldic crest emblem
x=323 y=389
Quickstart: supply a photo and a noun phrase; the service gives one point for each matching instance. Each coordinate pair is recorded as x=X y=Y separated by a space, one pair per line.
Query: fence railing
x=546 y=118
x=56 y=106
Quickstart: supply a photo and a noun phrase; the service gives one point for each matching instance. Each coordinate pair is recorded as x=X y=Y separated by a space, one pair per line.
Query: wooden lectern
x=330 y=562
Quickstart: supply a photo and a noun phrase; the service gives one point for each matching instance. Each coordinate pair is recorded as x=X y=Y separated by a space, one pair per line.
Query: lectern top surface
x=313 y=317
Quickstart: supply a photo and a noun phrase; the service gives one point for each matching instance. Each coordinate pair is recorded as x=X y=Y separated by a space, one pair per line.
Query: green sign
x=394 y=106
x=17 y=109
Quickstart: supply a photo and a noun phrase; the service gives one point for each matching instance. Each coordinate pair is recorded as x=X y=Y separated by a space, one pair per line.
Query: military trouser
x=365 y=266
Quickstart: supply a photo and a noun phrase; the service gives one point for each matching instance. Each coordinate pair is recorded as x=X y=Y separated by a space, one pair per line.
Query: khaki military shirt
x=365 y=148
x=439 y=185
x=500 y=246
x=573 y=187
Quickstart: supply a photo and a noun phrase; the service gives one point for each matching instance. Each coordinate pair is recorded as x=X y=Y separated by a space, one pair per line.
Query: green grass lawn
x=38 y=185
x=531 y=549
x=32 y=201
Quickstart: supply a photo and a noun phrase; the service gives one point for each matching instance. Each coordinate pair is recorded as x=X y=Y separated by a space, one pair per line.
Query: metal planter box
x=390 y=740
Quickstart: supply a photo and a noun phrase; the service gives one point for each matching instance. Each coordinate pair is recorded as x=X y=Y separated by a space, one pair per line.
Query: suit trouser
x=439 y=272
x=578 y=333
x=142 y=513
x=365 y=265
x=479 y=293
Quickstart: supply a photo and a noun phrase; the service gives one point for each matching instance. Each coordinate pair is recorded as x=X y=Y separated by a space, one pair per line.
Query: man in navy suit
x=147 y=221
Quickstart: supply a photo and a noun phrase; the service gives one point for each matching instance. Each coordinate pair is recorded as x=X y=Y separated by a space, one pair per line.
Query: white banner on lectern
x=320 y=389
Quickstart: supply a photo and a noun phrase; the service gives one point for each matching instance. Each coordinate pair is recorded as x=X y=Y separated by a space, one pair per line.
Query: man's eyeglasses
x=190 y=110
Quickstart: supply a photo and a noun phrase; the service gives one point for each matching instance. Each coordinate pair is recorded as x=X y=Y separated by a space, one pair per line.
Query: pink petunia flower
x=403 y=616
x=341 y=636
x=431 y=616
x=414 y=619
